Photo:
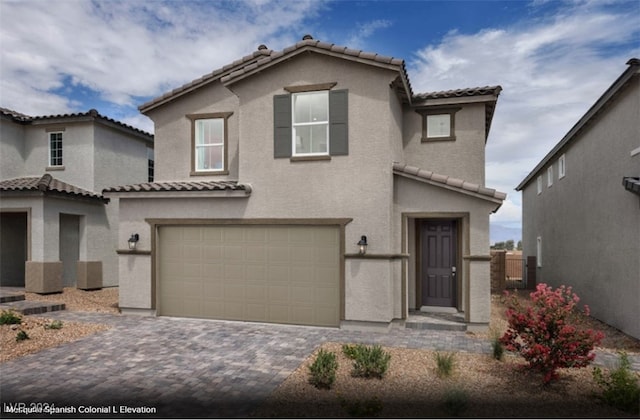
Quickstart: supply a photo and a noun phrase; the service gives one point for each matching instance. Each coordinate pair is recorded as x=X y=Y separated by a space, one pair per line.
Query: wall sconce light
x=363 y=245
x=133 y=241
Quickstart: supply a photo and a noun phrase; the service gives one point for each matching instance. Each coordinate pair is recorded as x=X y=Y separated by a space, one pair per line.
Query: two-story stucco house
x=272 y=171
x=581 y=207
x=57 y=229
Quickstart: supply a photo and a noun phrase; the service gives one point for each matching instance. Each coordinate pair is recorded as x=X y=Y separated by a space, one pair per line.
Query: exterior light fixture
x=363 y=245
x=133 y=241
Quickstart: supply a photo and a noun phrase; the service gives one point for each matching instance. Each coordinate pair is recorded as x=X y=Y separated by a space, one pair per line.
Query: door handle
x=453 y=271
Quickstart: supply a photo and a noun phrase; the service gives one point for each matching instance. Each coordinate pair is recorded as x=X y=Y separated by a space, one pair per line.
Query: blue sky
x=553 y=58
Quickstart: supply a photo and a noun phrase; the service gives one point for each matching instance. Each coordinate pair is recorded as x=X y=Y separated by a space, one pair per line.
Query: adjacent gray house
x=56 y=227
x=273 y=172
x=581 y=207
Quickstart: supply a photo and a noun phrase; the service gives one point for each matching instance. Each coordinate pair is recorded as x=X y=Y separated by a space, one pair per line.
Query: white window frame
x=294 y=125
x=539 y=251
x=550 y=176
x=539 y=184
x=52 y=163
x=562 y=167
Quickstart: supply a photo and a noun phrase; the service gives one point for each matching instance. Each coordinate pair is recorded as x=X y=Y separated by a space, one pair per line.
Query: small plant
x=445 y=363
x=365 y=408
x=323 y=370
x=497 y=347
x=368 y=362
x=620 y=388
x=455 y=401
x=22 y=335
x=54 y=325
x=544 y=335
x=10 y=317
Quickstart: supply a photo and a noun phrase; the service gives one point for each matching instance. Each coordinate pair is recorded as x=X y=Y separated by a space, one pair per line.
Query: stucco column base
x=365 y=326
x=43 y=277
x=89 y=275
x=478 y=327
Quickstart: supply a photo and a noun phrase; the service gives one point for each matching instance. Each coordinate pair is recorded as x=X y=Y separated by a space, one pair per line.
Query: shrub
x=323 y=370
x=455 y=401
x=366 y=408
x=497 y=347
x=54 y=325
x=22 y=335
x=543 y=332
x=446 y=363
x=368 y=362
x=10 y=317
x=620 y=388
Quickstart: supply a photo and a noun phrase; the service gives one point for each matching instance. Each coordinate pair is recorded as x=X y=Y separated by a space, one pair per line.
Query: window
x=150 y=164
x=539 y=251
x=438 y=124
x=550 y=176
x=311 y=122
x=561 y=167
x=55 y=149
x=539 y=184
x=209 y=143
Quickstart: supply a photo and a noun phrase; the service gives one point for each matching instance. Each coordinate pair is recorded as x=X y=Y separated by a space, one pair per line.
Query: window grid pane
x=55 y=149
x=311 y=123
x=209 y=139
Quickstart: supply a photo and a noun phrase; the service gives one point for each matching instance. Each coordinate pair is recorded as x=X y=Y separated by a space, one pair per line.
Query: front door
x=438 y=239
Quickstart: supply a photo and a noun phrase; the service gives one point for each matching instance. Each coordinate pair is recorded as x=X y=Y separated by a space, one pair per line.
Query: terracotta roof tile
x=459 y=93
x=453 y=183
x=47 y=185
x=181 y=186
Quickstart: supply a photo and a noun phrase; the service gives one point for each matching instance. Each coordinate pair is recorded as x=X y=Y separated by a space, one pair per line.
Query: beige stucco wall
x=11 y=149
x=463 y=158
x=589 y=223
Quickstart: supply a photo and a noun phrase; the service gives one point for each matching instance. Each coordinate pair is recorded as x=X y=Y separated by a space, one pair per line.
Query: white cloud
x=552 y=69
x=364 y=30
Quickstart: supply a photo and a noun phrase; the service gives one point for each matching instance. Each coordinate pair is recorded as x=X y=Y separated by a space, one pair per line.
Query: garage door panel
x=282 y=274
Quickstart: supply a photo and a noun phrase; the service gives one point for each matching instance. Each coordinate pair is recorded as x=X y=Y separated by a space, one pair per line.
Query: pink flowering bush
x=543 y=333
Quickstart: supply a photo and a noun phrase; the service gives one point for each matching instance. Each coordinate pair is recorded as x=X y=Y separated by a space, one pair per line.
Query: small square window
x=438 y=124
x=561 y=167
x=549 y=176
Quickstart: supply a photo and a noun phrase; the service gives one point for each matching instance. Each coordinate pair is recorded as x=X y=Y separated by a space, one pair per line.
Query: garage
x=266 y=273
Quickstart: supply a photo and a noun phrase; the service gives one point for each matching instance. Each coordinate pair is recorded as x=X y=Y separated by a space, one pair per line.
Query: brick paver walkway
x=184 y=367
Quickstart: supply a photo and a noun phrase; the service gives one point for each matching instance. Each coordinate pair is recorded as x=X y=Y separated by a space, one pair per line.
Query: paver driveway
x=184 y=367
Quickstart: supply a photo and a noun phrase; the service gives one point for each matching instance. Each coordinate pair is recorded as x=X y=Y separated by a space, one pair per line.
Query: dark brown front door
x=438 y=253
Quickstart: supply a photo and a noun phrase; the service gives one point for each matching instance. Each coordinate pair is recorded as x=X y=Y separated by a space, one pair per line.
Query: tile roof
x=456 y=184
x=92 y=113
x=181 y=186
x=265 y=57
x=631 y=184
x=460 y=93
x=47 y=185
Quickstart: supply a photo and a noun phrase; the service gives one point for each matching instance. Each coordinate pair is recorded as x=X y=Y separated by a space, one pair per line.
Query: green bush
x=22 y=335
x=498 y=348
x=455 y=402
x=10 y=317
x=365 y=408
x=54 y=325
x=445 y=363
x=620 y=388
x=323 y=370
x=368 y=361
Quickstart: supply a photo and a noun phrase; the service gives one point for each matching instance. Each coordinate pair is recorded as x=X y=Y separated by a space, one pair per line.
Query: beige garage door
x=281 y=274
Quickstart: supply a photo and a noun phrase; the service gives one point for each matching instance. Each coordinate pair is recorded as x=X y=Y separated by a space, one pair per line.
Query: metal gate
x=515 y=272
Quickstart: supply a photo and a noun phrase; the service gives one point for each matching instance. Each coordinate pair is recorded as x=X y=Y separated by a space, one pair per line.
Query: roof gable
x=47 y=185
x=621 y=83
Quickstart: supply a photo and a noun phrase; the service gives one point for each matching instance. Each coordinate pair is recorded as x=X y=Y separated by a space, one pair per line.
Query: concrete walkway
x=184 y=367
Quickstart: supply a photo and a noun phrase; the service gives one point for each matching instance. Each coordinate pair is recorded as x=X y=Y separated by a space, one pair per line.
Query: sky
x=553 y=59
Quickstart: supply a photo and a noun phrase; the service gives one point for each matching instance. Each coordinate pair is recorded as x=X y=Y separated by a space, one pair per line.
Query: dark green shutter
x=282 y=126
x=338 y=122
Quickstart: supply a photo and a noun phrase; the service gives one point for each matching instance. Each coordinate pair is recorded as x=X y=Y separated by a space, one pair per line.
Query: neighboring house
x=581 y=207
x=269 y=172
x=52 y=171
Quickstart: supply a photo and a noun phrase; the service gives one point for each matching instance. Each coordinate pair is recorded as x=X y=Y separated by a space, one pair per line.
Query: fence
x=511 y=271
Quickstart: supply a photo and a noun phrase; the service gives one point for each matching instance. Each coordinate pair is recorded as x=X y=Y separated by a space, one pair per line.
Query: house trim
x=155 y=224
x=310 y=88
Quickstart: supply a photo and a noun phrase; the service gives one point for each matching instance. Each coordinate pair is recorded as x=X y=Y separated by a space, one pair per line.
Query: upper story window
x=539 y=184
x=311 y=122
x=55 y=148
x=150 y=164
x=438 y=124
x=550 y=176
x=562 y=167
x=310 y=112
x=209 y=141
